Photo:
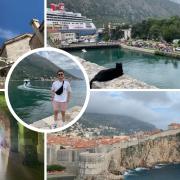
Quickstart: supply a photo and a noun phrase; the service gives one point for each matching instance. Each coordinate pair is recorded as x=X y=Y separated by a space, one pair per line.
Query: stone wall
x=160 y=148
x=92 y=164
x=110 y=161
x=122 y=82
x=16 y=49
x=35 y=42
x=5 y=59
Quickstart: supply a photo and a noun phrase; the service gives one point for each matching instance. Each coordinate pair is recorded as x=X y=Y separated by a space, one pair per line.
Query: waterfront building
x=69 y=25
x=127 y=33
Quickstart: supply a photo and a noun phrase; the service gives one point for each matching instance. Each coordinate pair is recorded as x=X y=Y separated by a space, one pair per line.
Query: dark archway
x=21 y=150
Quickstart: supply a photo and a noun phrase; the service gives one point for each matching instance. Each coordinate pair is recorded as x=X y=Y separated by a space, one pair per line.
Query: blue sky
x=15 y=16
x=157 y=108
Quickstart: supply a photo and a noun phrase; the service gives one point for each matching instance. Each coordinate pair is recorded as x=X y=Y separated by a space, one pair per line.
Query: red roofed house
x=173 y=126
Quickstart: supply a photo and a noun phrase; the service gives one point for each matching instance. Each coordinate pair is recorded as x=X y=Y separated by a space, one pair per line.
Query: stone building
x=174 y=126
x=13 y=48
x=37 y=39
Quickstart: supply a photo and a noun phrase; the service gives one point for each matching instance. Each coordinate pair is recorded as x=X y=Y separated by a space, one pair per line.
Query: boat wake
x=33 y=88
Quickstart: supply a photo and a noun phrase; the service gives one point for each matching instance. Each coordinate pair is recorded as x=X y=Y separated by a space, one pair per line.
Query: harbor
x=89 y=46
x=145 y=67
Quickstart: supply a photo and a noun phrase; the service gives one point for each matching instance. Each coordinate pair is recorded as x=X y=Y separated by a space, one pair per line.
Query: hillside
x=103 y=11
x=36 y=66
x=123 y=124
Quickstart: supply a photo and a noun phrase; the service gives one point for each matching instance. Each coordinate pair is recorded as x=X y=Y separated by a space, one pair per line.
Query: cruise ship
x=68 y=22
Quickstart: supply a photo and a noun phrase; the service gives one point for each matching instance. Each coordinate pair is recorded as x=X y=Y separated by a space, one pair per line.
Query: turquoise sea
x=34 y=103
x=162 y=72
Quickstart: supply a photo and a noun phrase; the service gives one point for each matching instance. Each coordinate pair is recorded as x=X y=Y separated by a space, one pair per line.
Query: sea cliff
x=160 y=148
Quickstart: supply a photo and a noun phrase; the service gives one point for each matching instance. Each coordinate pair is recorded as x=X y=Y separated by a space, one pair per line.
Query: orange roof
x=76 y=142
x=175 y=124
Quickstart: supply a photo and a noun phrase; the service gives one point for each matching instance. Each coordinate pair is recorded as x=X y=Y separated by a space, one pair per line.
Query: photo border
x=82 y=109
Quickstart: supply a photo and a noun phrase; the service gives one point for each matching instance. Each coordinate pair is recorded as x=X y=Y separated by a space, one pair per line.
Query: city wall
x=111 y=161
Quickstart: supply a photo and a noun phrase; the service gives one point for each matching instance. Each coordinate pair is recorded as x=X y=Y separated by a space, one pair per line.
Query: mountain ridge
x=128 y=11
x=122 y=123
x=41 y=68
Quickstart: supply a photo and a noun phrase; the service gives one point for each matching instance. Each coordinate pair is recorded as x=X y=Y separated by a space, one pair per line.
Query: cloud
x=7 y=34
x=157 y=108
x=149 y=97
x=60 y=60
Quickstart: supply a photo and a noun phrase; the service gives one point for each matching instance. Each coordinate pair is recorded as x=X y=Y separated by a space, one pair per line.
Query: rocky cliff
x=161 y=148
x=151 y=152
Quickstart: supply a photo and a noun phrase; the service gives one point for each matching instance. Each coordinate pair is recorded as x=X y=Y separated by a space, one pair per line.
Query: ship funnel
x=55 y=7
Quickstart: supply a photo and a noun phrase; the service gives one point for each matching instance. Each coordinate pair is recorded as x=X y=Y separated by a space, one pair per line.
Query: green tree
x=167 y=29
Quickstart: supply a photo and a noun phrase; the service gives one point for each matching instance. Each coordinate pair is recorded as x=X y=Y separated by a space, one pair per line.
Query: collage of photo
x=90 y=90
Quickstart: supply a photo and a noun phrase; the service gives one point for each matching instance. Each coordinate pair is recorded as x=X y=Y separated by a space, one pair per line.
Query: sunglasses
x=60 y=74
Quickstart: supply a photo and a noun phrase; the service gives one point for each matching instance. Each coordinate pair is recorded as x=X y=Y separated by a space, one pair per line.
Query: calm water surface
x=163 y=172
x=35 y=103
x=159 y=71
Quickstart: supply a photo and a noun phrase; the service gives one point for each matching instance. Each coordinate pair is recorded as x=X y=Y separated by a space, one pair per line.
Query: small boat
x=84 y=50
x=27 y=83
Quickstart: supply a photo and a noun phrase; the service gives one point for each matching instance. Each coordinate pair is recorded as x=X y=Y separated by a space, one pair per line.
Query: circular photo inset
x=47 y=90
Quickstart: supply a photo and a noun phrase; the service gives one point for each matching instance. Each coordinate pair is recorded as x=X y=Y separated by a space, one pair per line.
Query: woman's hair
x=60 y=70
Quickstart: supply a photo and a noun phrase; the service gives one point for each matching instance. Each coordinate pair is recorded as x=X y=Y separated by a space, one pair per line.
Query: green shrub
x=55 y=168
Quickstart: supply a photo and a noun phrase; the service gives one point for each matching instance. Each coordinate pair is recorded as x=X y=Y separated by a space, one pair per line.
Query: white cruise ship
x=69 y=22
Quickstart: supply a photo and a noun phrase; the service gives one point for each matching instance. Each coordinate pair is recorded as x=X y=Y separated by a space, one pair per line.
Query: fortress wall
x=106 y=159
x=160 y=148
x=92 y=164
x=52 y=154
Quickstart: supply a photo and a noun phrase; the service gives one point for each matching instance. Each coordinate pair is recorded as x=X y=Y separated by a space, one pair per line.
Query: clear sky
x=157 y=108
x=15 y=16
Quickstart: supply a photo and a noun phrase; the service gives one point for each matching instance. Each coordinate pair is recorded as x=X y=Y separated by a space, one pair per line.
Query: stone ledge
x=123 y=82
x=47 y=122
